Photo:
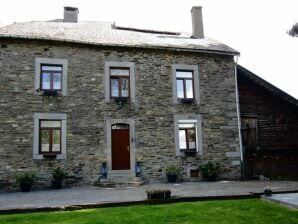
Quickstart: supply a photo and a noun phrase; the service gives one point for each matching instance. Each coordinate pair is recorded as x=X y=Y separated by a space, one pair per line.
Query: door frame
x=131 y=123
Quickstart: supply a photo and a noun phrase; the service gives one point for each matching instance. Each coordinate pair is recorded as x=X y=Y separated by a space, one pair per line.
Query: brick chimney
x=70 y=14
x=197 y=22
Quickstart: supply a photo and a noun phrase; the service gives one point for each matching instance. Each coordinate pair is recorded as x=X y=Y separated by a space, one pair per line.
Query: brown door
x=249 y=130
x=120 y=147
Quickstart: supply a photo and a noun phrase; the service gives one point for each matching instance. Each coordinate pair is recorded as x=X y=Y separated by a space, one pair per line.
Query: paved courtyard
x=95 y=195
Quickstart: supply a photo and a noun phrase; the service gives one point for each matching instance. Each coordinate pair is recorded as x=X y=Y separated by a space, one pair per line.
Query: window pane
x=46 y=80
x=186 y=125
x=124 y=72
x=189 y=90
x=45 y=140
x=115 y=71
x=51 y=68
x=124 y=87
x=115 y=87
x=183 y=74
x=192 y=138
x=56 y=80
x=180 y=89
x=182 y=139
x=119 y=72
x=50 y=124
x=56 y=140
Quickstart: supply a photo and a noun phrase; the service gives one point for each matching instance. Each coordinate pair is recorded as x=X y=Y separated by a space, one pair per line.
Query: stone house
x=75 y=94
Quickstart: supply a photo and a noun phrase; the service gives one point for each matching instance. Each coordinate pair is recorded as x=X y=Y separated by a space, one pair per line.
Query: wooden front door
x=120 y=147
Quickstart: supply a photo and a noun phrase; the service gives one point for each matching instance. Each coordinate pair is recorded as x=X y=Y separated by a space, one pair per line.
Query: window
x=51 y=75
x=188 y=134
x=184 y=81
x=49 y=136
x=119 y=82
x=187 y=137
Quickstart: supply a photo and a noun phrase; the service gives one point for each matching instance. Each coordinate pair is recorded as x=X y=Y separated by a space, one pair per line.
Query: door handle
x=127 y=148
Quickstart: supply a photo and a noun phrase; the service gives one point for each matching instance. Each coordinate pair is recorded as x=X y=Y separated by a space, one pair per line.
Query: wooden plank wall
x=276 y=153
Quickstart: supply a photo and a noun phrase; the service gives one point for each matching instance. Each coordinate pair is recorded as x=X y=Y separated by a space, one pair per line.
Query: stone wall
x=87 y=112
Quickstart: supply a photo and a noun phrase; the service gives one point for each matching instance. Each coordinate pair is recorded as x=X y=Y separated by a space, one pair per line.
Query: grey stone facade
x=87 y=111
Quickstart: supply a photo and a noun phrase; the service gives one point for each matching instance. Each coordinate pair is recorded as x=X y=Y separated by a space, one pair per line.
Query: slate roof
x=108 y=34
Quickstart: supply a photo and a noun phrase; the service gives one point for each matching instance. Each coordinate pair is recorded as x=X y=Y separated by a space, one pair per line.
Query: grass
x=252 y=211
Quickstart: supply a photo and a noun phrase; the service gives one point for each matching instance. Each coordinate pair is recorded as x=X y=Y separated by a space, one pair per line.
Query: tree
x=294 y=30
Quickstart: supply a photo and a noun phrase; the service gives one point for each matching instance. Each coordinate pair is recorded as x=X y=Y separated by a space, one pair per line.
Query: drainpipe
x=239 y=121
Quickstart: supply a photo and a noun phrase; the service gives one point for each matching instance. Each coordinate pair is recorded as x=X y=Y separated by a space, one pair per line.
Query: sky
x=256 y=28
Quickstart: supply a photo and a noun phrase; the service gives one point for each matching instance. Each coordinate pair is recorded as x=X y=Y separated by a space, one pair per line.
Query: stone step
x=116 y=182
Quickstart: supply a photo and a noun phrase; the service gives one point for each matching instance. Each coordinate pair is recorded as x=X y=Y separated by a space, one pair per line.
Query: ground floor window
x=49 y=136
x=188 y=134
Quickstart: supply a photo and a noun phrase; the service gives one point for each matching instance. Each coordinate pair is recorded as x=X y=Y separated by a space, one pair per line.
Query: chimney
x=70 y=14
x=197 y=22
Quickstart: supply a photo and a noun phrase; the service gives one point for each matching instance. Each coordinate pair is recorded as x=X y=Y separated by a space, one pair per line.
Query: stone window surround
x=131 y=123
x=131 y=66
x=51 y=61
x=181 y=117
x=196 y=80
x=49 y=116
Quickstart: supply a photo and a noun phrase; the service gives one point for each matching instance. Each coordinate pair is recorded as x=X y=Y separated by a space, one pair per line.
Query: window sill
x=121 y=99
x=49 y=156
x=190 y=153
x=187 y=101
x=54 y=93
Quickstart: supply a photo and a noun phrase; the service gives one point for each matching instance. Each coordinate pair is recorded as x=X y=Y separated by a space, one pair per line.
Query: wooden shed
x=269 y=125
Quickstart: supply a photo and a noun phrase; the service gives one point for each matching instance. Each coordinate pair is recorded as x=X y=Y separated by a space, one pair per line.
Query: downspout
x=239 y=121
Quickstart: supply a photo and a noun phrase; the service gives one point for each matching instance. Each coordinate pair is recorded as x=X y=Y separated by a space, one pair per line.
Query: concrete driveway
x=90 y=195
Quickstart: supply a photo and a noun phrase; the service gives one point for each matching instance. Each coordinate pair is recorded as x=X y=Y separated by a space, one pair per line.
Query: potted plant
x=158 y=194
x=58 y=175
x=210 y=170
x=172 y=172
x=25 y=181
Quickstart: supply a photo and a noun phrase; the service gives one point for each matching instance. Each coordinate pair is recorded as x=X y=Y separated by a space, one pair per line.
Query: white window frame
x=51 y=61
x=195 y=70
x=36 y=132
x=113 y=64
x=190 y=119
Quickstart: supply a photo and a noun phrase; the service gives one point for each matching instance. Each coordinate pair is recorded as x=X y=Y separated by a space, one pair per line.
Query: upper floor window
x=51 y=77
x=119 y=82
x=185 y=84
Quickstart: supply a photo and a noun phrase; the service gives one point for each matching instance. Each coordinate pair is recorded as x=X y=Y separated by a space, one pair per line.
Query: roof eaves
x=212 y=51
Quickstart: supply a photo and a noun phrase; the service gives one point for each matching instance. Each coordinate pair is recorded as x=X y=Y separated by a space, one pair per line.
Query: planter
x=158 y=194
x=138 y=169
x=268 y=192
x=25 y=187
x=172 y=178
x=104 y=172
x=57 y=184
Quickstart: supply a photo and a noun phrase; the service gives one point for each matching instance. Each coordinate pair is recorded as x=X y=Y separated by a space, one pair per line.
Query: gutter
x=239 y=121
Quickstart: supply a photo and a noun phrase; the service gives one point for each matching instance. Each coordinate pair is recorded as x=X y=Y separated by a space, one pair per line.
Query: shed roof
x=108 y=34
x=243 y=72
